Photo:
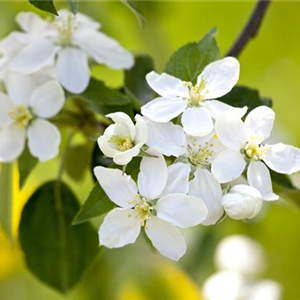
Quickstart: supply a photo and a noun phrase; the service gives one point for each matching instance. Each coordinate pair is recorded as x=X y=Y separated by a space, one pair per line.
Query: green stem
x=6 y=198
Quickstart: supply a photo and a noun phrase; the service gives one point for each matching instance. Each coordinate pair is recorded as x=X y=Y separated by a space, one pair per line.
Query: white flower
x=67 y=43
x=204 y=186
x=177 y=97
x=123 y=140
x=158 y=203
x=246 y=144
x=23 y=112
x=224 y=285
x=242 y=202
x=170 y=140
x=241 y=254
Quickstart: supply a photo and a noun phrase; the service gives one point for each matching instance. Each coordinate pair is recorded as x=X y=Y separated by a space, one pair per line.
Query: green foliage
x=56 y=252
x=241 y=96
x=135 y=8
x=135 y=81
x=6 y=190
x=73 y=6
x=77 y=161
x=190 y=60
x=284 y=187
x=104 y=100
x=48 y=5
x=26 y=163
x=96 y=205
x=45 y=5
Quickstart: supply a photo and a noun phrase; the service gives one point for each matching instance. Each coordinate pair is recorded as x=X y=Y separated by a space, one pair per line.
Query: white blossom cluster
x=240 y=262
x=35 y=65
x=197 y=150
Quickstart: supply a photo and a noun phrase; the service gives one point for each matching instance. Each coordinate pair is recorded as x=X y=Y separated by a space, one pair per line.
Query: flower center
x=21 y=115
x=123 y=143
x=254 y=149
x=197 y=93
x=65 y=28
x=144 y=210
x=198 y=155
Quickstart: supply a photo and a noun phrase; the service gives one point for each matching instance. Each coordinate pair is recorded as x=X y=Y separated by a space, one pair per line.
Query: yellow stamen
x=21 y=115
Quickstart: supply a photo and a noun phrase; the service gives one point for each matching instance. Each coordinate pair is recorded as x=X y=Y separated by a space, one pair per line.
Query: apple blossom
x=157 y=203
x=242 y=202
x=123 y=140
x=23 y=112
x=177 y=96
x=245 y=143
x=170 y=140
x=66 y=44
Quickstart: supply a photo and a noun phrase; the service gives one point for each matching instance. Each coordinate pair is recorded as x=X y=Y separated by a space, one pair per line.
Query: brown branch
x=251 y=29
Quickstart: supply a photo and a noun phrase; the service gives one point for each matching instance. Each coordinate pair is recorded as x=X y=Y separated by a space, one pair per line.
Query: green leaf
x=96 y=205
x=56 y=252
x=26 y=163
x=45 y=5
x=73 y=6
x=241 y=96
x=6 y=197
x=135 y=79
x=77 y=161
x=104 y=100
x=190 y=60
x=135 y=8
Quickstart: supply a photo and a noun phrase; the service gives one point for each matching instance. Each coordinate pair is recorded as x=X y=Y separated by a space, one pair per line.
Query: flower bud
x=242 y=202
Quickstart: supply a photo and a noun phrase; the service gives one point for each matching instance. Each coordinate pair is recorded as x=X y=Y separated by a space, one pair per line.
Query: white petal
x=33 y=57
x=181 y=210
x=141 y=134
x=259 y=177
x=178 y=179
x=31 y=22
x=119 y=228
x=72 y=70
x=43 y=140
x=166 y=85
x=12 y=142
x=283 y=158
x=206 y=187
x=124 y=120
x=163 y=109
x=228 y=165
x=48 y=99
x=5 y=108
x=124 y=158
x=197 y=121
x=166 y=238
x=104 y=49
x=153 y=175
x=119 y=187
x=231 y=131
x=167 y=138
x=260 y=121
x=220 y=76
x=104 y=144
x=20 y=87
x=217 y=108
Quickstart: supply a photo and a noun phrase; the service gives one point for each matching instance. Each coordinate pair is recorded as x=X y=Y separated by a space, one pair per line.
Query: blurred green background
x=270 y=63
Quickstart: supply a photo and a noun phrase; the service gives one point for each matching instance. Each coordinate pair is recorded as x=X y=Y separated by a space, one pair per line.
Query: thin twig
x=251 y=29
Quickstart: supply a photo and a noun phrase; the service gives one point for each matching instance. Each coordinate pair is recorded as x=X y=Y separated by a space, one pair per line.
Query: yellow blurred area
x=178 y=284
x=10 y=254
